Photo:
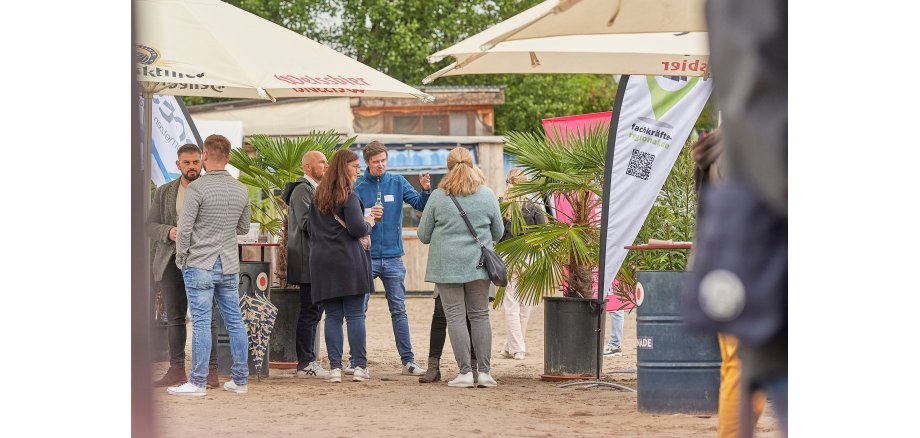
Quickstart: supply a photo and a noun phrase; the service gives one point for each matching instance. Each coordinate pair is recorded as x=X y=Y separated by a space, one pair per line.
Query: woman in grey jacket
x=453 y=258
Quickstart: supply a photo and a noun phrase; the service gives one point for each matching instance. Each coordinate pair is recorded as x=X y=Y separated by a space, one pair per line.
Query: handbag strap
x=340 y=221
x=469 y=226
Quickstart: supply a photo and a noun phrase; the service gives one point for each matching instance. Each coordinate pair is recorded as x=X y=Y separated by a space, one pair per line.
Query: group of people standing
x=344 y=230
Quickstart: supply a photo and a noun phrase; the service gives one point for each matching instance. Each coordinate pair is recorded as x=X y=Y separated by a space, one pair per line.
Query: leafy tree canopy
x=396 y=36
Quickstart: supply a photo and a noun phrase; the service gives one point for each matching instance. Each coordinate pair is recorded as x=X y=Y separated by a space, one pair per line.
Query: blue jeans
x=392 y=272
x=351 y=308
x=616 y=327
x=203 y=287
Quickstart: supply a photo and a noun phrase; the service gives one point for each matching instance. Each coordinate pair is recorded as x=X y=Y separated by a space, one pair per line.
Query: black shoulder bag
x=494 y=264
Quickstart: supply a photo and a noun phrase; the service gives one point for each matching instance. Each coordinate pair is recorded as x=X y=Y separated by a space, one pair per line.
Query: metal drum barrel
x=678 y=370
x=249 y=275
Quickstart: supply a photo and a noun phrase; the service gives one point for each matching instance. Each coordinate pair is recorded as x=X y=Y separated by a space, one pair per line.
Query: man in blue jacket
x=385 y=193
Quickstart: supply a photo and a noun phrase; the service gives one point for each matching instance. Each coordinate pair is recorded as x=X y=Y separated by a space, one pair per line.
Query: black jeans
x=439 y=331
x=310 y=314
x=176 y=309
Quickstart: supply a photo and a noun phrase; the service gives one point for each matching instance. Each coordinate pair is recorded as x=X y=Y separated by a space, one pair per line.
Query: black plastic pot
x=283 y=347
x=571 y=341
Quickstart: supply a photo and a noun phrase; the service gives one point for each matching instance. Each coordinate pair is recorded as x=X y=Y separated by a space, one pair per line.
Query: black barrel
x=678 y=371
x=571 y=342
x=283 y=347
x=249 y=276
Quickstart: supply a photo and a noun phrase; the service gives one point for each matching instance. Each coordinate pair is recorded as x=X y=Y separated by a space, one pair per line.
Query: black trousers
x=439 y=332
x=310 y=314
x=176 y=303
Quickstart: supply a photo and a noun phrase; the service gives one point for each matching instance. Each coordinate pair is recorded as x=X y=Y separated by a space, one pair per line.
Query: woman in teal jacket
x=453 y=258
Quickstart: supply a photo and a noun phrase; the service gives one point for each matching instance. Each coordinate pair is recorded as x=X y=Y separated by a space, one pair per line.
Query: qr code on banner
x=640 y=164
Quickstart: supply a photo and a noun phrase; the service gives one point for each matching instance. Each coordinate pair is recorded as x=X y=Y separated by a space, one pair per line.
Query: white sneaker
x=187 y=388
x=314 y=371
x=519 y=355
x=335 y=376
x=361 y=374
x=464 y=380
x=233 y=387
x=610 y=350
x=486 y=381
x=350 y=370
x=412 y=369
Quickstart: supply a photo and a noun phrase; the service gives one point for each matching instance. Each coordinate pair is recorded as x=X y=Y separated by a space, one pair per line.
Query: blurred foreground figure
x=707 y=154
x=739 y=284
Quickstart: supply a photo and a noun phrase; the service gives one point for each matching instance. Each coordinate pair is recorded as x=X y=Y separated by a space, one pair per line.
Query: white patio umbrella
x=655 y=37
x=598 y=17
x=683 y=54
x=210 y=48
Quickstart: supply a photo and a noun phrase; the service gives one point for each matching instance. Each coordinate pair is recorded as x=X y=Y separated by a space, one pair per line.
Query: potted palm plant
x=563 y=253
x=276 y=162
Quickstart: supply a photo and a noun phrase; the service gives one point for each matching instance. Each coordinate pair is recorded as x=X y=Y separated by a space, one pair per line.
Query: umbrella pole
x=147 y=95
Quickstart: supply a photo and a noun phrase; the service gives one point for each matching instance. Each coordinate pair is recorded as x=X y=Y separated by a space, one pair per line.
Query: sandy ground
x=394 y=405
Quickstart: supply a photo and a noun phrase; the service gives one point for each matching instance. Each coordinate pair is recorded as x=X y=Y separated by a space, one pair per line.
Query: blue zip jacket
x=386 y=237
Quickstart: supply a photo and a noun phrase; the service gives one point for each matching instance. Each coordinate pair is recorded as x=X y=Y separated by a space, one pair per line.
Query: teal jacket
x=453 y=254
x=386 y=238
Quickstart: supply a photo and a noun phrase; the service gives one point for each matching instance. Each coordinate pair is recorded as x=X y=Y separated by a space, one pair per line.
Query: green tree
x=396 y=36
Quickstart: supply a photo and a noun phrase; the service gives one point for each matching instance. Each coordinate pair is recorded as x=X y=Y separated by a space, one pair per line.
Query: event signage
x=172 y=128
x=652 y=118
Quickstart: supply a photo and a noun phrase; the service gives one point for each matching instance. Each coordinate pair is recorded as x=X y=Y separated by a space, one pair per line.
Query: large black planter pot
x=282 y=347
x=678 y=370
x=571 y=341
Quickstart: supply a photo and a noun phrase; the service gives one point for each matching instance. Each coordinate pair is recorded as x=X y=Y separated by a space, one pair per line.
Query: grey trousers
x=462 y=300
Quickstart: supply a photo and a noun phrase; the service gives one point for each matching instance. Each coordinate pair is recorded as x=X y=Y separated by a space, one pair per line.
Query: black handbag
x=493 y=264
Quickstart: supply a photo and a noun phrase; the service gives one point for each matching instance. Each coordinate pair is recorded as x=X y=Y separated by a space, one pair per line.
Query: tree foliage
x=672 y=217
x=396 y=36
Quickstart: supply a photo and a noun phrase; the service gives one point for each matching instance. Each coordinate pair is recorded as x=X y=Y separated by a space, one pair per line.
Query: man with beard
x=161 y=228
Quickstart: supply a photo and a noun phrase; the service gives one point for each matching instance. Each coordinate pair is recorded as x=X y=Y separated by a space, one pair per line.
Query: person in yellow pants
x=730 y=391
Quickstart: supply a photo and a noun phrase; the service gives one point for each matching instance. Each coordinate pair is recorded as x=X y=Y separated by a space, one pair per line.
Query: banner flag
x=652 y=118
x=173 y=127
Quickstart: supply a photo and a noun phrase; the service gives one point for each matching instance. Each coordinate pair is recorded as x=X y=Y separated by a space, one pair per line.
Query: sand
x=392 y=405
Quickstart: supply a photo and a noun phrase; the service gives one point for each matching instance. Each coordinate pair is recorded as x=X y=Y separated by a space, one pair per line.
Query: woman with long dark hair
x=340 y=265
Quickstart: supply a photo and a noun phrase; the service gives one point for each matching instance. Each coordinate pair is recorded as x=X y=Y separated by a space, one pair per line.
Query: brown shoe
x=433 y=373
x=213 y=382
x=174 y=376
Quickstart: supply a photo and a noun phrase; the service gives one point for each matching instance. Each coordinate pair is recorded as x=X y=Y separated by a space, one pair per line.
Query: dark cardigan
x=339 y=266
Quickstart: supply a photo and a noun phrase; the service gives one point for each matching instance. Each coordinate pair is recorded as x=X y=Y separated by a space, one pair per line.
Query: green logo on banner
x=663 y=100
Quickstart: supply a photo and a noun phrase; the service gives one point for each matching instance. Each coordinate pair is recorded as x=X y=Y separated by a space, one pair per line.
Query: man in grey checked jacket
x=216 y=209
